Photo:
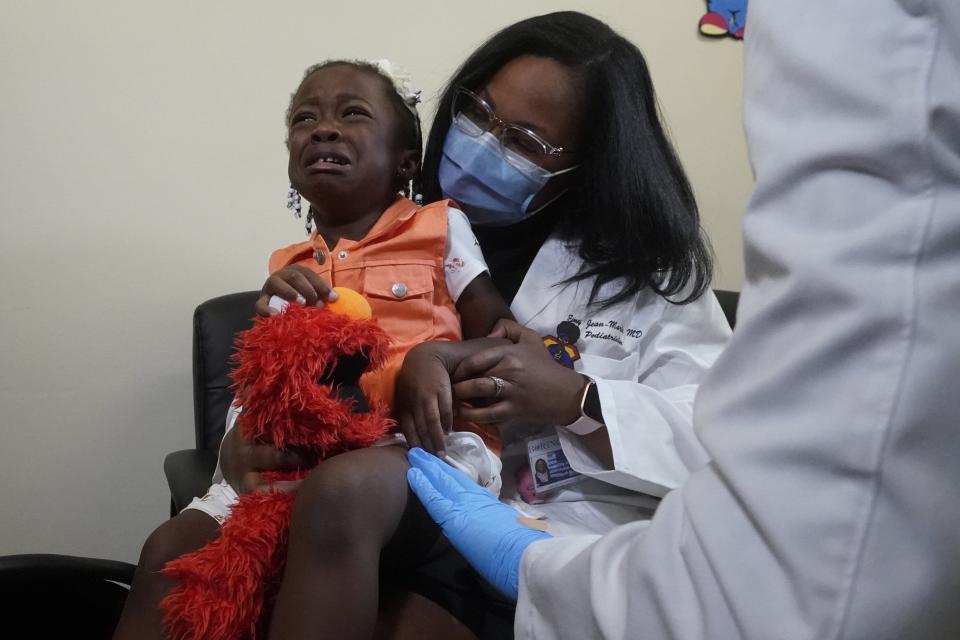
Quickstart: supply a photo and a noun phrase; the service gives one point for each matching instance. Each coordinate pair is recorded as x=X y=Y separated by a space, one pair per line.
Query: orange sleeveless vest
x=398 y=267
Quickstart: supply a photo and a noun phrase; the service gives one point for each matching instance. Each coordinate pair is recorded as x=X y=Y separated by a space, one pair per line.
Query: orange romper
x=398 y=267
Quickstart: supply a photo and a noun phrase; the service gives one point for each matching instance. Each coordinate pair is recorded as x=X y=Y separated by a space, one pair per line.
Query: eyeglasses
x=513 y=137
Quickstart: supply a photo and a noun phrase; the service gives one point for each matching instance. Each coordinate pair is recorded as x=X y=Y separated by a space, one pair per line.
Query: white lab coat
x=647 y=357
x=829 y=509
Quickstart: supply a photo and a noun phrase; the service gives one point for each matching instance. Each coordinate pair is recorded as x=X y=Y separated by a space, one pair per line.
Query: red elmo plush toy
x=297 y=380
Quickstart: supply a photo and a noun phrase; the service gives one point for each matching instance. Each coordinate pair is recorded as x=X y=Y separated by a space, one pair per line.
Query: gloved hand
x=482 y=528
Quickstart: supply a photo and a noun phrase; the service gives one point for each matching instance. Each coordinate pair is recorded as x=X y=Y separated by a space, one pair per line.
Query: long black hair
x=631 y=206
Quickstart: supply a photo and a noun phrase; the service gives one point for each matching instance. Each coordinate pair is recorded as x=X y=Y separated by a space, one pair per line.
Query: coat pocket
x=609 y=367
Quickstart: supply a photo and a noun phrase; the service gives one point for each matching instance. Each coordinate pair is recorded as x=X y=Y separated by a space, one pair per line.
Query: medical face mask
x=492 y=191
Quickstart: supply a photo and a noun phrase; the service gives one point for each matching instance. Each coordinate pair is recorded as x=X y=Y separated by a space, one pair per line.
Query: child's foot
x=713 y=24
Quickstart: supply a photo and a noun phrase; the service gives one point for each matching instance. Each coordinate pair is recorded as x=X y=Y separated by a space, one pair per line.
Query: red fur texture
x=225 y=590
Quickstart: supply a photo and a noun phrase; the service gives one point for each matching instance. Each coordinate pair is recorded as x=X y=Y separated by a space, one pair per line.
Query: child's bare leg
x=346 y=512
x=405 y=615
x=188 y=531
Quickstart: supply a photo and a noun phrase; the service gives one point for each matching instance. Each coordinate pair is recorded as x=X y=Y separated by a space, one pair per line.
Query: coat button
x=343 y=254
x=399 y=289
x=319 y=256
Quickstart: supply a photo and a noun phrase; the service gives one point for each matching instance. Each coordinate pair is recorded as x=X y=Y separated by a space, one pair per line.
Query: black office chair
x=728 y=302
x=215 y=323
x=54 y=596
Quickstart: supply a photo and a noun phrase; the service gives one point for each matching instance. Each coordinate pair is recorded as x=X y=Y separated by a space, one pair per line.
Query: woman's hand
x=424 y=398
x=291 y=283
x=535 y=390
x=242 y=463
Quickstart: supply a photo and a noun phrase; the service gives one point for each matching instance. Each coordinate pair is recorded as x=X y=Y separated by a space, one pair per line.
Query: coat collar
x=555 y=262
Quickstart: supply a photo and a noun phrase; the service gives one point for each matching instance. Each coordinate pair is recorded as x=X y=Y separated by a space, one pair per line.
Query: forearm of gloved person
x=486 y=531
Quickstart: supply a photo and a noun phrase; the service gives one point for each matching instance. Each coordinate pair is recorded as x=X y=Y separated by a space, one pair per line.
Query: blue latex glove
x=482 y=528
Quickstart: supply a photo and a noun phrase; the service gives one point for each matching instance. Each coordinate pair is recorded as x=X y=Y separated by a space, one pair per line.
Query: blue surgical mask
x=492 y=191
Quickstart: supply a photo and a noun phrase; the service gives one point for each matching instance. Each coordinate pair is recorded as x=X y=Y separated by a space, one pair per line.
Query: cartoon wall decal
x=724 y=18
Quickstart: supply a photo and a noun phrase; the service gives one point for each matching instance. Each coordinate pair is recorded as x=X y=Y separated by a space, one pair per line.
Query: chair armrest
x=188 y=475
x=55 y=596
x=53 y=567
x=728 y=302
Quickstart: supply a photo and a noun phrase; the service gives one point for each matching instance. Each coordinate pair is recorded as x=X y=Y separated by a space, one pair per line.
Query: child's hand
x=424 y=399
x=242 y=463
x=292 y=283
x=515 y=332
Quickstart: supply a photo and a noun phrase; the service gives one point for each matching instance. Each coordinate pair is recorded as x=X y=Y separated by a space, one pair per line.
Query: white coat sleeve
x=649 y=418
x=829 y=507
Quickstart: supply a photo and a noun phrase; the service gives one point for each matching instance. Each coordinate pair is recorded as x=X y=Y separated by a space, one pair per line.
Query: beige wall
x=142 y=171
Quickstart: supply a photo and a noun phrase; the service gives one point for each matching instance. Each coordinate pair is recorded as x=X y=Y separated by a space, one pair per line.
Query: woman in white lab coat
x=549 y=139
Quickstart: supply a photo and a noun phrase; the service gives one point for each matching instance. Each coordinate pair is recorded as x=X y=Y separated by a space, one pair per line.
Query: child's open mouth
x=328 y=161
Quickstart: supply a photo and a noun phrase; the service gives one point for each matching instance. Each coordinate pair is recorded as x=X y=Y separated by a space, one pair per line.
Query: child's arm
x=481 y=306
x=424 y=395
x=468 y=280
